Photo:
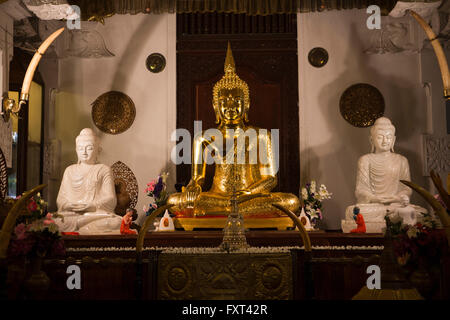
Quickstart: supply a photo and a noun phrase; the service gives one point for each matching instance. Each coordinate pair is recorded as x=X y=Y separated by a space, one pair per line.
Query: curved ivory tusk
x=146 y=225
x=440 y=188
x=35 y=61
x=436 y=205
x=442 y=60
x=10 y=221
x=299 y=224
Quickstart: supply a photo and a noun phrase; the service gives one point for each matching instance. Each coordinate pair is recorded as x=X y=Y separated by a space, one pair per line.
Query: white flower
x=313 y=186
x=304 y=194
x=323 y=192
x=313 y=213
x=412 y=232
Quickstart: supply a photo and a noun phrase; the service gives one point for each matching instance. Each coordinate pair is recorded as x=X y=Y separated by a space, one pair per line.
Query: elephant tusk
x=438 y=184
x=436 y=205
x=440 y=55
x=146 y=225
x=299 y=224
x=34 y=63
x=10 y=221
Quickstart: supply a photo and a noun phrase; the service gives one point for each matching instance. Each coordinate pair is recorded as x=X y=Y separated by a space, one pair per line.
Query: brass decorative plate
x=155 y=62
x=318 y=57
x=113 y=112
x=361 y=104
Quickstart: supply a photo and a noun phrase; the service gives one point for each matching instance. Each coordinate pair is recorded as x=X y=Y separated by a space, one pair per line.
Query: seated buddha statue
x=378 y=187
x=237 y=171
x=87 y=198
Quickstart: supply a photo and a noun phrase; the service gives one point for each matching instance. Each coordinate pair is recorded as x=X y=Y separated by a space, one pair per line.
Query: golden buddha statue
x=249 y=168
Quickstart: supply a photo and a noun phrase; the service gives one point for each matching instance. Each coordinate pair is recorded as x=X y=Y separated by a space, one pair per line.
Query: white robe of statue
x=87 y=198
x=378 y=188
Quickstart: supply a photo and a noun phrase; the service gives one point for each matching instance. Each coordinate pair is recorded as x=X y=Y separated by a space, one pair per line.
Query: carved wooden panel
x=436 y=154
x=268 y=63
x=225 y=276
x=126 y=186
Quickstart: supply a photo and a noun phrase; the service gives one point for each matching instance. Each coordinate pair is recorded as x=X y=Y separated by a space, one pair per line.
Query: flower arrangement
x=418 y=244
x=36 y=233
x=312 y=200
x=156 y=190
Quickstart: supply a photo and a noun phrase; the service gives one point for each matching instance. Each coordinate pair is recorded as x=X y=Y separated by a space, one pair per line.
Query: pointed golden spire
x=229 y=60
x=230 y=80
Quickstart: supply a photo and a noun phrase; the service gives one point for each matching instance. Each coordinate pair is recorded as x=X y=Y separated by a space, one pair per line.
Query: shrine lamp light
x=9 y=106
x=418 y=10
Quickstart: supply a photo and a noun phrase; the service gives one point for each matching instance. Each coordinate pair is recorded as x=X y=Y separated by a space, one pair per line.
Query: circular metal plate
x=361 y=104
x=113 y=112
x=155 y=62
x=318 y=57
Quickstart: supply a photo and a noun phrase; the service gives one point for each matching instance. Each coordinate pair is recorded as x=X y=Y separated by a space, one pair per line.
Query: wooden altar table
x=109 y=269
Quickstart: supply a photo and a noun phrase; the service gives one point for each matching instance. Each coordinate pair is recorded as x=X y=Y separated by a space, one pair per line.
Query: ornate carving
x=272 y=277
x=51 y=165
x=126 y=187
x=113 y=112
x=6 y=141
x=51 y=9
x=361 y=104
x=436 y=154
x=396 y=35
x=3 y=177
x=85 y=44
x=225 y=276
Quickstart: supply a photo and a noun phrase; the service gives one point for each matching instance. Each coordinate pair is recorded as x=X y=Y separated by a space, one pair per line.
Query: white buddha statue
x=87 y=198
x=378 y=187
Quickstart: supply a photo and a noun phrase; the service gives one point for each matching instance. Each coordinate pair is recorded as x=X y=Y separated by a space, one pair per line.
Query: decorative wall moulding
x=436 y=151
x=397 y=35
x=85 y=44
x=113 y=112
x=155 y=62
x=51 y=9
x=361 y=104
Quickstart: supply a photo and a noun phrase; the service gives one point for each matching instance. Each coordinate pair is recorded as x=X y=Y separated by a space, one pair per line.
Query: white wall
x=145 y=147
x=329 y=146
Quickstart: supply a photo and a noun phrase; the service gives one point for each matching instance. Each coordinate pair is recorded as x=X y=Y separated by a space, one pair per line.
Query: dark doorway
x=28 y=128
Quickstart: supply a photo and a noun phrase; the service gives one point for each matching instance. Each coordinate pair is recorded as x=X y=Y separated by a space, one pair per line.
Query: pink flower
x=20 y=231
x=32 y=205
x=48 y=219
x=151 y=186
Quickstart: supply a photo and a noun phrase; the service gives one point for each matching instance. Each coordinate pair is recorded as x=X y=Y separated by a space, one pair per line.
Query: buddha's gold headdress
x=230 y=80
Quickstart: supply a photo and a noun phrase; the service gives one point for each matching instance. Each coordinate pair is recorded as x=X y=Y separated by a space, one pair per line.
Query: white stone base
x=371 y=227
